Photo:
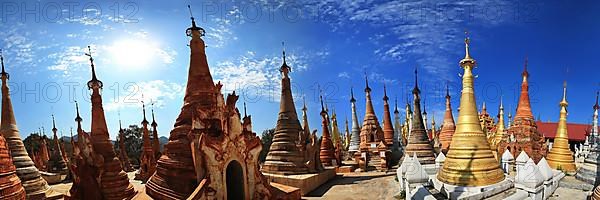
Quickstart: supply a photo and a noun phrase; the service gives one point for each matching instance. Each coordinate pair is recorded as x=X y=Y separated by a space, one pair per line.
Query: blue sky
x=140 y=48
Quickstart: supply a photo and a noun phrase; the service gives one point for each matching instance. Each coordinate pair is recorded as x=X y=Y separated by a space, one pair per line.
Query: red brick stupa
x=123 y=157
x=155 y=139
x=210 y=151
x=524 y=129
x=147 y=160
x=448 y=126
x=10 y=184
x=57 y=163
x=114 y=183
x=327 y=153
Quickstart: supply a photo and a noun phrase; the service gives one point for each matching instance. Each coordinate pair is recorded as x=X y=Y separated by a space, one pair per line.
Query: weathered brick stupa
x=10 y=184
x=418 y=141
x=388 y=131
x=560 y=156
x=85 y=166
x=223 y=163
x=371 y=133
x=147 y=160
x=155 y=138
x=305 y=136
x=35 y=186
x=524 y=129
x=355 y=134
x=284 y=156
x=469 y=161
x=311 y=147
x=123 y=157
x=327 y=149
x=487 y=124
x=371 y=137
x=44 y=152
x=57 y=163
x=114 y=182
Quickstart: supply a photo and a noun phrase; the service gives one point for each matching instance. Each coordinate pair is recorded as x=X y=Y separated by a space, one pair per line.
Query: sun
x=131 y=53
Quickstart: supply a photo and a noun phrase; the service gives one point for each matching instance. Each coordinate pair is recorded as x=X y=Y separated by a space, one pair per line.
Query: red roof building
x=577 y=132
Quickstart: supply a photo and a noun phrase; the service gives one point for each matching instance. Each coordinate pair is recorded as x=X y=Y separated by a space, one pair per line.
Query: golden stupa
x=560 y=156
x=469 y=161
x=500 y=128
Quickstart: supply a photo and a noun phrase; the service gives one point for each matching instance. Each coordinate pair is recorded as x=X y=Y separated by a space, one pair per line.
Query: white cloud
x=69 y=60
x=130 y=54
x=344 y=75
x=159 y=91
x=255 y=76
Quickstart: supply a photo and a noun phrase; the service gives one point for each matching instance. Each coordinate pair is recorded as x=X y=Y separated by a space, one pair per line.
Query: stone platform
x=284 y=192
x=305 y=182
x=471 y=193
x=345 y=169
x=52 y=178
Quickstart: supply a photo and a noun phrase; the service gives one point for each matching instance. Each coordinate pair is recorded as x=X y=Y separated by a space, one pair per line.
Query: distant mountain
x=162 y=140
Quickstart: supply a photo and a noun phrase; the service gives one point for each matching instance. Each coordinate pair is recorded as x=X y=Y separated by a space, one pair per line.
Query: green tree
x=266 y=139
x=132 y=137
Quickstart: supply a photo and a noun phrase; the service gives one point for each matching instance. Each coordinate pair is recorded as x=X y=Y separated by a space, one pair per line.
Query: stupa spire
x=560 y=156
x=396 y=106
x=371 y=132
x=305 y=127
x=418 y=140
x=57 y=163
x=469 y=152
x=355 y=133
x=500 y=128
x=114 y=181
x=155 y=139
x=78 y=119
x=388 y=129
x=35 y=186
x=3 y=73
x=596 y=106
x=523 y=127
x=145 y=136
x=176 y=171
x=594 y=133
x=284 y=156
x=524 y=106
x=398 y=137
x=326 y=153
x=147 y=158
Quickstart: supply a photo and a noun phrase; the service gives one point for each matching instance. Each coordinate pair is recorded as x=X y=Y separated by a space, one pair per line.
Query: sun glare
x=131 y=53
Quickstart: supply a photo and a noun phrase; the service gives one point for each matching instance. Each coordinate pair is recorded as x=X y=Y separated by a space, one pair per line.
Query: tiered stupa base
x=589 y=170
x=472 y=192
x=115 y=182
x=31 y=179
x=175 y=177
x=424 y=152
x=277 y=163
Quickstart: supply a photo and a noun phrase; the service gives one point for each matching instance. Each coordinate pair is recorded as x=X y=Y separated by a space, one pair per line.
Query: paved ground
x=369 y=185
x=355 y=186
x=567 y=193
